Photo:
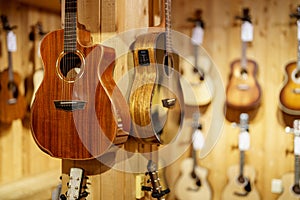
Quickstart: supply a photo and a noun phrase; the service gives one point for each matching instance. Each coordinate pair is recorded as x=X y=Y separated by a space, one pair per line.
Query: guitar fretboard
x=168 y=26
x=244 y=58
x=70 y=36
x=297 y=170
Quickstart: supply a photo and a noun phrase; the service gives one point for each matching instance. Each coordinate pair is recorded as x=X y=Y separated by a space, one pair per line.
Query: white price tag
x=247 y=32
x=11 y=42
x=298 y=25
x=197 y=35
x=198 y=140
x=297 y=145
x=244 y=141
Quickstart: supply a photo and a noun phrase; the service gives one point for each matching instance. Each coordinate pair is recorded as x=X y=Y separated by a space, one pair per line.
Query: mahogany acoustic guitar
x=12 y=102
x=243 y=91
x=78 y=103
x=156 y=100
x=289 y=96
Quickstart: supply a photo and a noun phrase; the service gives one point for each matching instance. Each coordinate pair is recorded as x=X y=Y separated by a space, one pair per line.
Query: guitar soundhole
x=70 y=66
x=296 y=189
x=168 y=64
x=297 y=75
x=241 y=179
x=12 y=87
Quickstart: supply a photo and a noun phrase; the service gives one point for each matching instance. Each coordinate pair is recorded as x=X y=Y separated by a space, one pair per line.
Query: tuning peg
x=63 y=197
x=83 y=194
x=287 y=152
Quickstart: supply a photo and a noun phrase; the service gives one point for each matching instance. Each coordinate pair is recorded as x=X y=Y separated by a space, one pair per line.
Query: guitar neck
x=244 y=58
x=242 y=161
x=298 y=59
x=168 y=26
x=10 y=67
x=70 y=34
x=297 y=170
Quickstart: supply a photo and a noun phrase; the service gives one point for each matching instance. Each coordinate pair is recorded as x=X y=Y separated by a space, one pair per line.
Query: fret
x=70 y=31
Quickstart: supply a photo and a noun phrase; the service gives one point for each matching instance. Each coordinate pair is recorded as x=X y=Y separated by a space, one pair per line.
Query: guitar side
x=234 y=186
x=186 y=187
x=15 y=110
x=152 y=121
x=243 y=91
x=290 y=92
x=93 y=127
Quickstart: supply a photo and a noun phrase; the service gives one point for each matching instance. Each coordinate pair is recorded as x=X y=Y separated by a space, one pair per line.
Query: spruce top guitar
x=78 y=103
x=12 y=102
x=242 y=177
x=243 y=91
x=196 y=83
x=291 y=181
x=290 y=93
x=155 y=100
x=192 y=184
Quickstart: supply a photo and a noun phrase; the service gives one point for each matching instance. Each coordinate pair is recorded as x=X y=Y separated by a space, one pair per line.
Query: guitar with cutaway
x=78 y=102
x=290 y=92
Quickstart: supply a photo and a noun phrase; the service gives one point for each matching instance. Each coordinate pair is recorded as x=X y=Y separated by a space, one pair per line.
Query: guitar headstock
x=197 y=19
x=76 y=186
x=36 y=30
x=157 y=191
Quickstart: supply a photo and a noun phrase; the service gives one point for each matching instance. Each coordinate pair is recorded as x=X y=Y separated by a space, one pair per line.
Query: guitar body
x=289 y=96
x=243 y=91
x=186 y=187
x=235 y=187
x=196 y=92
x=288 y=193
x=79 y=114
x=152 y=121
x=12 y=102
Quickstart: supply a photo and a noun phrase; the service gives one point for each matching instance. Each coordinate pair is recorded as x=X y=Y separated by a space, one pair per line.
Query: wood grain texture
x=243 y=91
x=288 y=182
x=289 y=96
x=11 y=111
x=81 y=134
x=152 y=122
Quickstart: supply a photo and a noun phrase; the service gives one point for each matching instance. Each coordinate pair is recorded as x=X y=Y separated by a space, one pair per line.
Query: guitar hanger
x=198 y=19
x=246 y=16
x=6 y=25
x=297 y=14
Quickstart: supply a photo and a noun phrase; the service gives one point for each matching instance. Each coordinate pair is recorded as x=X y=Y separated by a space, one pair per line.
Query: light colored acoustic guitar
x=243 y=91
x=291 y=180
x=155 y=100
x=192 y=183
x=196 y=83
x=289 y=96
x=241 y=177
x=78 y=103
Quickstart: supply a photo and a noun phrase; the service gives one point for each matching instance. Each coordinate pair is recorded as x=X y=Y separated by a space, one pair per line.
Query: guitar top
x=12 y=102
x=235 y=190
x=192 y=183
x=78 y=112
x=288 y=192
x=243 y=91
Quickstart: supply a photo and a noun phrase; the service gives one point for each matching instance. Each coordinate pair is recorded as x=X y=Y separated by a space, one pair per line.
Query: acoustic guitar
x=192 y=183
x=243 y=91
x=242 y=177
x=291 y=180
x=78 y=102
x=289 y=96
x=12 y=101
x=196 y=84
x=155 y=100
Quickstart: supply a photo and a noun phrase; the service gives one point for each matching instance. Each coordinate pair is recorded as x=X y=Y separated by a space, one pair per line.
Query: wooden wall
x=274 y=45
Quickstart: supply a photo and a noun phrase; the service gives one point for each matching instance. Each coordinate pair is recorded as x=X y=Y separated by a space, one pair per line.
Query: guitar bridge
x=69 y=105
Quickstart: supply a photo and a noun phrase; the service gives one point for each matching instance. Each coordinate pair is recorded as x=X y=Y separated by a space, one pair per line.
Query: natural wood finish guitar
x=289 y=96
x=243 y=91
x=290 y=181
x=78 y=103
x=12 y=102
x=156 y=101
